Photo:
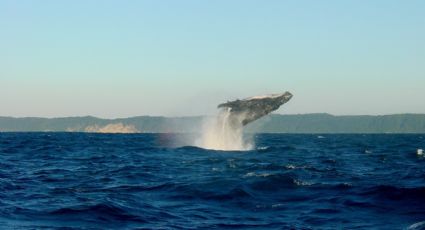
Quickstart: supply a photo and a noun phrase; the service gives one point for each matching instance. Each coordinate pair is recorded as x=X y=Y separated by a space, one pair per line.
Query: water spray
x=225 y=131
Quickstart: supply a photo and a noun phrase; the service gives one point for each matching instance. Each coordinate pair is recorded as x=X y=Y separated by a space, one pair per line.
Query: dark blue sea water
x=138 y=181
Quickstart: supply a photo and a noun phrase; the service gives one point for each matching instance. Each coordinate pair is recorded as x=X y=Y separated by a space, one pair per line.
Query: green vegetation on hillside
x=275 y=123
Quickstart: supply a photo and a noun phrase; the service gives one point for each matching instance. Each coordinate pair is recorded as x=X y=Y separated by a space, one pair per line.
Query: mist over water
x=224 y=132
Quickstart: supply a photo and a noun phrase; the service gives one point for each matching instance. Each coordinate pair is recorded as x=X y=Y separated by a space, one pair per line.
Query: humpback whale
x=245 y=111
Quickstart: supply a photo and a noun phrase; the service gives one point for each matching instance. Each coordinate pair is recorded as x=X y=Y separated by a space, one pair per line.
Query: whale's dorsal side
x=250 y=109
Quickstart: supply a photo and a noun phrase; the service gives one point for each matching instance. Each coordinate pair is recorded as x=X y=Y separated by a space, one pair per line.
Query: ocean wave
x=275 y=182
x=272 y=149
x=102 y=212
x=108 y=181
x=417 y=226
x=193 y=192
x=396 y=193
x=190 y=148
x=254 y=174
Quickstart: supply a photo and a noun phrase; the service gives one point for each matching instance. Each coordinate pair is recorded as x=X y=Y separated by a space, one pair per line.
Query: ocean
x=148 y=181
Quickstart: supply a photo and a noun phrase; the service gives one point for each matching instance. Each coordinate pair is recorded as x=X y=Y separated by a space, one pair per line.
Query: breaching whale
x=242 y=112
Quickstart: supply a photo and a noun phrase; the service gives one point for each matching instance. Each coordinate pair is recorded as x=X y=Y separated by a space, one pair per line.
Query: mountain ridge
x=274 y=123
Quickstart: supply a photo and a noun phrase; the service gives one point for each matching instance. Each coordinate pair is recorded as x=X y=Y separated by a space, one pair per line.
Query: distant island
x=275 y=123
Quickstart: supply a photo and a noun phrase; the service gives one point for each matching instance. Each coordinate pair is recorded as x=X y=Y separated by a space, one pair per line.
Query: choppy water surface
x=102 y=181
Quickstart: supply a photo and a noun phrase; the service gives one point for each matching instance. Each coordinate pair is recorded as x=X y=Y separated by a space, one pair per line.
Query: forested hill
x=275 y=123
x=326 y=123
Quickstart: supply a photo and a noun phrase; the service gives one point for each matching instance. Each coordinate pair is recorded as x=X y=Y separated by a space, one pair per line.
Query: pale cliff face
x=112 y=128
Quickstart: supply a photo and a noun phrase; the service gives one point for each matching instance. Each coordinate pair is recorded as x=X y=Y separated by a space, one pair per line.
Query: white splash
x=223 y=133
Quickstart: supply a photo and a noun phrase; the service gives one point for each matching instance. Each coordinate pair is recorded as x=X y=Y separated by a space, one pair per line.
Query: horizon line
x=180 y=116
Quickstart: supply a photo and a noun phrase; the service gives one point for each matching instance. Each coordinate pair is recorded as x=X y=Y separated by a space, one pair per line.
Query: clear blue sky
x=129 y=58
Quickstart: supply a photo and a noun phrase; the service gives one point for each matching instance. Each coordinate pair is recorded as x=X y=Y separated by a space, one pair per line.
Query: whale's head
x=285 y=97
